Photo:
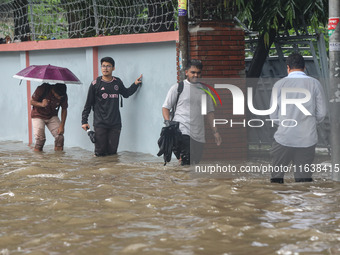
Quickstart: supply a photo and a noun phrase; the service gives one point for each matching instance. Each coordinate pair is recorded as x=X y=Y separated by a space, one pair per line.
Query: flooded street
x=73 y=203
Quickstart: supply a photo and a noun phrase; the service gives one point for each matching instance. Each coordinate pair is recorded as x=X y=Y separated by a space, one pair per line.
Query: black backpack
x=179 y=91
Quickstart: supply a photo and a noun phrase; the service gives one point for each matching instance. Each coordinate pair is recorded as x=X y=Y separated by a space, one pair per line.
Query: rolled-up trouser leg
x=59 y=143
x=39 y=133
x=53 y=125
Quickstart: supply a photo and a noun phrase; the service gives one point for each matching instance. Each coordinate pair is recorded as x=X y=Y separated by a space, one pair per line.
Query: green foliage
x=5 y=28
x=58 y=19
x=282 y=15
x=47 y=18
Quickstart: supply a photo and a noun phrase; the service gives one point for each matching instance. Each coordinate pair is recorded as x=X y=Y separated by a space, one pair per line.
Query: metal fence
x=56 y=19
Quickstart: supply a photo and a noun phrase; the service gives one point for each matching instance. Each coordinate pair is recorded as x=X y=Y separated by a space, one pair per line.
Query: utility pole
x=183 y=36
x=334 y=85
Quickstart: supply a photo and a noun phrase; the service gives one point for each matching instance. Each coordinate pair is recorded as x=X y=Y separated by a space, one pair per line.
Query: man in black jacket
x=103 y=98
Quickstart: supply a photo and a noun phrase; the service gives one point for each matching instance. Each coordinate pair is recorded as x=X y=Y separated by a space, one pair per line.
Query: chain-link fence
x=56 y=19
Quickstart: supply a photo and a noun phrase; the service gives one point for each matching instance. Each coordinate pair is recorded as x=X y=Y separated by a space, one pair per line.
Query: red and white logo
x=105 y=95
x=332 y=23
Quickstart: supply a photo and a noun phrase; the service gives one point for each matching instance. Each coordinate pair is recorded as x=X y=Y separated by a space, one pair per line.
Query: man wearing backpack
x=103 y=98
x=46 y=101
x=187 y=104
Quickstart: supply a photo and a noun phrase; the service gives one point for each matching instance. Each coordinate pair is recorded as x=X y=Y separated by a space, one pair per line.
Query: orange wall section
x=90 y=41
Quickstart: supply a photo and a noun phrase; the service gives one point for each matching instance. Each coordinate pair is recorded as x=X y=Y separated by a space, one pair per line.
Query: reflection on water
x=73 y=203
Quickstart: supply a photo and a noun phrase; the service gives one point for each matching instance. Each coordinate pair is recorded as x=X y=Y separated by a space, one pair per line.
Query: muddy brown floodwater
x=73 y=203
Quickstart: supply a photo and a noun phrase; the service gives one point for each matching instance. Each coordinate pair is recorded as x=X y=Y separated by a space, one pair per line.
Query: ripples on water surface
x=74 y=203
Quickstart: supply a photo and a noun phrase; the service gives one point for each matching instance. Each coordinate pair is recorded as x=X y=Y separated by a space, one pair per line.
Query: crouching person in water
x=46 y=101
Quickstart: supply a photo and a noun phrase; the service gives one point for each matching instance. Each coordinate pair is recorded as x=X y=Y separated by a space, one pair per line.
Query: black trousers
x=107 y=140
x=191 y=150
x=301 y=159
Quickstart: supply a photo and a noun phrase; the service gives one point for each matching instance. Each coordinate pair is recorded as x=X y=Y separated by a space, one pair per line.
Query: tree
x=274 y=17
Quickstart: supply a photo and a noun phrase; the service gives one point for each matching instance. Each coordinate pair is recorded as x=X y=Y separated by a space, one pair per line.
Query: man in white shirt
x=188 y=114
x=296 y=140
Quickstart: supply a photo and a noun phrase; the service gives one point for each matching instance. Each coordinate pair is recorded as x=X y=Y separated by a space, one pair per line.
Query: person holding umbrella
x=46 y=101
x=103 y=98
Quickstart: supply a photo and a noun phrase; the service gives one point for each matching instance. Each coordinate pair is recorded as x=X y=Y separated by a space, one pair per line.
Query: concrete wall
x=141 y=114
x=13 y=109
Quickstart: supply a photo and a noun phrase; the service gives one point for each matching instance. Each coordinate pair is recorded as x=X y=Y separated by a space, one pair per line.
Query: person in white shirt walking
x=188 y=114
x=296 y=140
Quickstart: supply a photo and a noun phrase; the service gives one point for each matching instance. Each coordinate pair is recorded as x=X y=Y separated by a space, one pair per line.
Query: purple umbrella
x=47 y=73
